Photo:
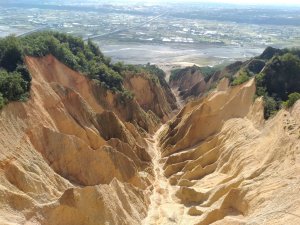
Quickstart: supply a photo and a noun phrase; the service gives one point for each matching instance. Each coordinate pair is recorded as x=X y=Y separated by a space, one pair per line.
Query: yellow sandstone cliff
x=229 y=166
x=75 y=154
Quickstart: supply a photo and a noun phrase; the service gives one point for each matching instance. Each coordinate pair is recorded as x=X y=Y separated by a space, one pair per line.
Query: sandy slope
x=73 y=153
x=164 y=206
x=229 y=165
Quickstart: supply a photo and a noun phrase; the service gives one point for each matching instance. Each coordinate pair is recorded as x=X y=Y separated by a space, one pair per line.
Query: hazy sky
x=247 y=2
x=269 y=2
x=243 y=2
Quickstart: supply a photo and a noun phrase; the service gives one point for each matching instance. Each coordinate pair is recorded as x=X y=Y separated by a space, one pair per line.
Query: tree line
x=84 y=57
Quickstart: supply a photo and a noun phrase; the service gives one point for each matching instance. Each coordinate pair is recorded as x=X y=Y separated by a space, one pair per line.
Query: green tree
x=2 y=101
x=12 y=86
x=11 y=53
x=282 y=75
x=270 y=107
x=241 y=78
x=94 y=49
x=292 y=98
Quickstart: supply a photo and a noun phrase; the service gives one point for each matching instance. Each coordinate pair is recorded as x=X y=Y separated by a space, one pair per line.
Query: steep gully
x=164 y=207
x=225 y=163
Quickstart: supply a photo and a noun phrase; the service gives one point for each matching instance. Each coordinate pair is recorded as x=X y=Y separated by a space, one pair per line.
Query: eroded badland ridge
x=78 y=153
x=75 y=146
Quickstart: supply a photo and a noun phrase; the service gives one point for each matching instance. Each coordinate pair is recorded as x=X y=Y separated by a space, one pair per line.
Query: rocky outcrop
x=187 y=78
x=205 y=117
x=228 y=71
x=151 y=94
x=116 y=203
x=227 y=165
x=192 y=82
x=189 y=82
x=74 y=153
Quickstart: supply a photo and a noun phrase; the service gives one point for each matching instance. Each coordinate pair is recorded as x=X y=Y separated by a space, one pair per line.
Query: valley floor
x=164 y=207
x=219 y=162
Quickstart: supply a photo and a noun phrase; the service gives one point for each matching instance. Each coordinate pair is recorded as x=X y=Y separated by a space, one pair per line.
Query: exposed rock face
x=188 y=79
x=75 y=153
x=102 y=204
x=228 y=71
x=193 y=82
x=151 y=95
x=207 y=117
x=190 y=82
x=229 y=166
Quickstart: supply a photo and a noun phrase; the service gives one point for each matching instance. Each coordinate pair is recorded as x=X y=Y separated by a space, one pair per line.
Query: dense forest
x=84 y=57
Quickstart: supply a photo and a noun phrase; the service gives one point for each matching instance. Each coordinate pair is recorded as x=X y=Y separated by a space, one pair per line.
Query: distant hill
x=277 y=73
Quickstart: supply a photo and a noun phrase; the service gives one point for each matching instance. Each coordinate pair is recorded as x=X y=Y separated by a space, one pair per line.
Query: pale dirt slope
x=73 y=153
x=229 y=165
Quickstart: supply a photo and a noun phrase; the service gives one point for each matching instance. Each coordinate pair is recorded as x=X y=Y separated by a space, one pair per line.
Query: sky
x=242 y=2
x=255 y=2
